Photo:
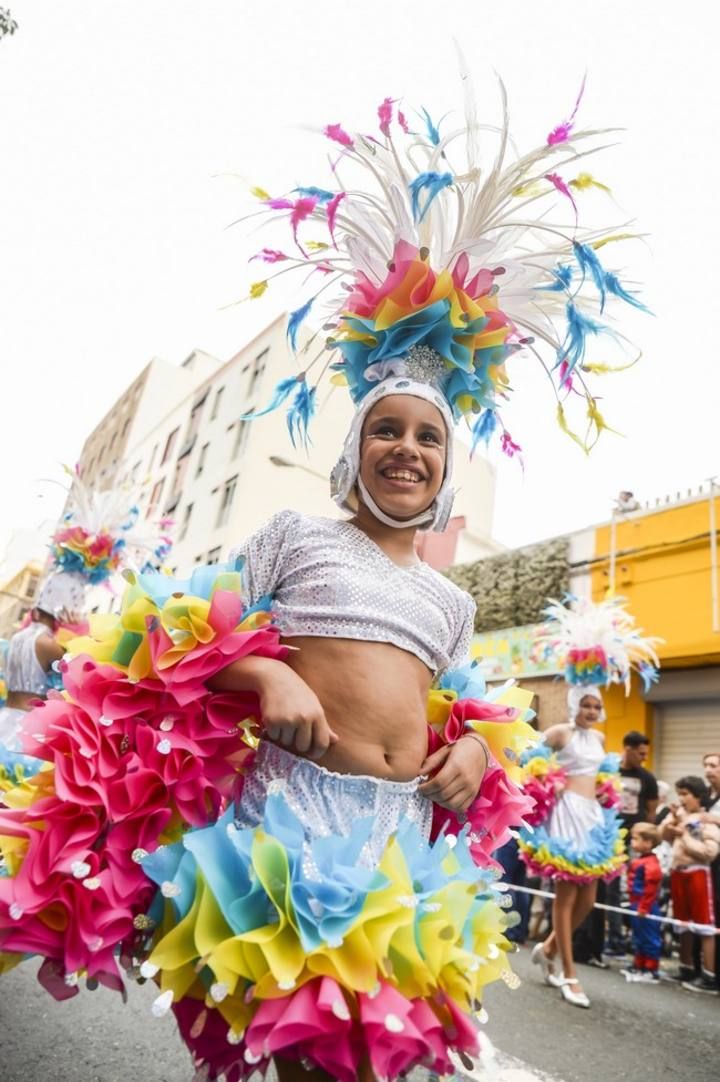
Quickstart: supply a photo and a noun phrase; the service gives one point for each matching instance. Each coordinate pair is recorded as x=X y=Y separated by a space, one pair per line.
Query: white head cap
x=346 y=473
x=576 y=694
x=62 y=591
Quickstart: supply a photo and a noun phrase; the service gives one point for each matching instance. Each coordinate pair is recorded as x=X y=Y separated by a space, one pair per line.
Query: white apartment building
x=158 y=387
x=220 y=477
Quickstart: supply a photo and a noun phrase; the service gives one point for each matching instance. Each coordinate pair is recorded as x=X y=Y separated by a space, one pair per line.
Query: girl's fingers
x=303 y=737
x=439 y=784
x=432 y=762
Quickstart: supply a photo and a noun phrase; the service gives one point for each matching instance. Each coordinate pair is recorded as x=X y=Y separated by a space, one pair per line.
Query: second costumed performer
x=336 y=914
x=576 y=838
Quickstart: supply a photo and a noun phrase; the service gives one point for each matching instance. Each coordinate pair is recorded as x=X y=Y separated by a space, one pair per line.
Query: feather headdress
x=597 y=643
x=449 y=253
x=101 y=533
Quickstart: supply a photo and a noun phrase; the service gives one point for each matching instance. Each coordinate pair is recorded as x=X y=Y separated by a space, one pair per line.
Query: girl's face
x=589 y=711
x=402 y=454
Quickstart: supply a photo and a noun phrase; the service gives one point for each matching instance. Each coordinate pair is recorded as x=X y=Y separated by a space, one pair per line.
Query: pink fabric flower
x=499 y=807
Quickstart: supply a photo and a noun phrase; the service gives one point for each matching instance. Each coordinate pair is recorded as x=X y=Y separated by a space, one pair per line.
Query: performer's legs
x=584 y=902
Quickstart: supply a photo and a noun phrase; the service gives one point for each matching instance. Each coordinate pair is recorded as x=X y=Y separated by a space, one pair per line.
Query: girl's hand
x=460 y=770
x=290 y=709
x=292 y=714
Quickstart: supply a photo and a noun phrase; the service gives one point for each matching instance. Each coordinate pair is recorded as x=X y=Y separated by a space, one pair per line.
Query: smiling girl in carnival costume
x=576 y=837
x=334 y=909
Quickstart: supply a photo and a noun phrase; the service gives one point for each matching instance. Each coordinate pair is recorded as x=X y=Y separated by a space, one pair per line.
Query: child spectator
x=644 y=879
x=695 y=844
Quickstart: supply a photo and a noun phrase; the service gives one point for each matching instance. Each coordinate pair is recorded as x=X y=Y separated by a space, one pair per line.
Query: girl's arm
x=556 y=736
x=290 y=710
x=48 y=650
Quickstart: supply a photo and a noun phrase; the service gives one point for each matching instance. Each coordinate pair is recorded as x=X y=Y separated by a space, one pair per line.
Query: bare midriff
x=375 y=699
x=582 y=784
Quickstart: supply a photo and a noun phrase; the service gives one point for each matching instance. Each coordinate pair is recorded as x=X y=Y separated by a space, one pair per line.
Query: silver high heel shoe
x=578 y=999
x=538 y=957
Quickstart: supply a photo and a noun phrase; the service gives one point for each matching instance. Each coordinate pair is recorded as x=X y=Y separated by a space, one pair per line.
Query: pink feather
x=270 y=255
x=565 y=379
x=385 y=112
x=508 y=445
x=302 y=208
x=338 y=134
x=561 y=134
x=559 y=184
x=402 y=121
x=332 y=209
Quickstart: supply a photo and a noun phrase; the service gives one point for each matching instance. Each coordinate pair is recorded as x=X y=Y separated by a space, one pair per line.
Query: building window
x=216 y=403
x=185 y=522
x=169 y=444
x=257 y=370
x=155 y=497
x=201 y=460
x=228 y=495
x=32 y=584
x=214 y=555
x=180 y=471
x=242 y=432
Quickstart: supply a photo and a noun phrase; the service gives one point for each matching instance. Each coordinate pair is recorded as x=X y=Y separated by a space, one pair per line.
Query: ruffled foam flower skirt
x=316 y=921
x=580 y=840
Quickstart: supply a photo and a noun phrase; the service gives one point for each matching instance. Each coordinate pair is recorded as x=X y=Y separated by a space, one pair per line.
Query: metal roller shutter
x=684 y=732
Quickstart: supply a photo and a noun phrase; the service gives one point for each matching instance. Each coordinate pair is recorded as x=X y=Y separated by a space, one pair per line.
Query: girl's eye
x=430 y=437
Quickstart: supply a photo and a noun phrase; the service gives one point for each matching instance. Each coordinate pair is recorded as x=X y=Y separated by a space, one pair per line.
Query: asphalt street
x=632 y=1032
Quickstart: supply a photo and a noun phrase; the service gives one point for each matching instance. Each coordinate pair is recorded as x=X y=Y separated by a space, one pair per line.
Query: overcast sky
x=121 y=125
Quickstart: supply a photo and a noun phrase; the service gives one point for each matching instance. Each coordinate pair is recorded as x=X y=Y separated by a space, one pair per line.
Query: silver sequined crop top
x=329 y=579
x=582 y=754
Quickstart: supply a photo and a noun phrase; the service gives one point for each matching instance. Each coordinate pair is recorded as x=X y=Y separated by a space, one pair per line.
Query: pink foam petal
x=427 y=1022
x=313 y=1022
x=52 y=977
x=394 y=1043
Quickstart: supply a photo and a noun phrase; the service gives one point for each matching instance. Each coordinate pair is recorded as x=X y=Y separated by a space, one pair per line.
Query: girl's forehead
x=407 y=407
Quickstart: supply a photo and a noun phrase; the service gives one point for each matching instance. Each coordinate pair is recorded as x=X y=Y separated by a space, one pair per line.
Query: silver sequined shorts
x=328 y=803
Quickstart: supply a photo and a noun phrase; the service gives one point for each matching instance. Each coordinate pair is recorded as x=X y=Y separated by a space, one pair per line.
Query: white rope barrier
x=678 y=925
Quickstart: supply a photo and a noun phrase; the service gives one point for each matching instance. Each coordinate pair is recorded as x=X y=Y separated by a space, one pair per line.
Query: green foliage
x=511 y=590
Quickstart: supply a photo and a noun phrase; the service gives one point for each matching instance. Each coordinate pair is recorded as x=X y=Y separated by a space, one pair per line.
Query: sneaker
x=597 y=963
x=615 y=951
x=705 y=984
x=631 y=974
x=682 y=974
x=648 y=976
